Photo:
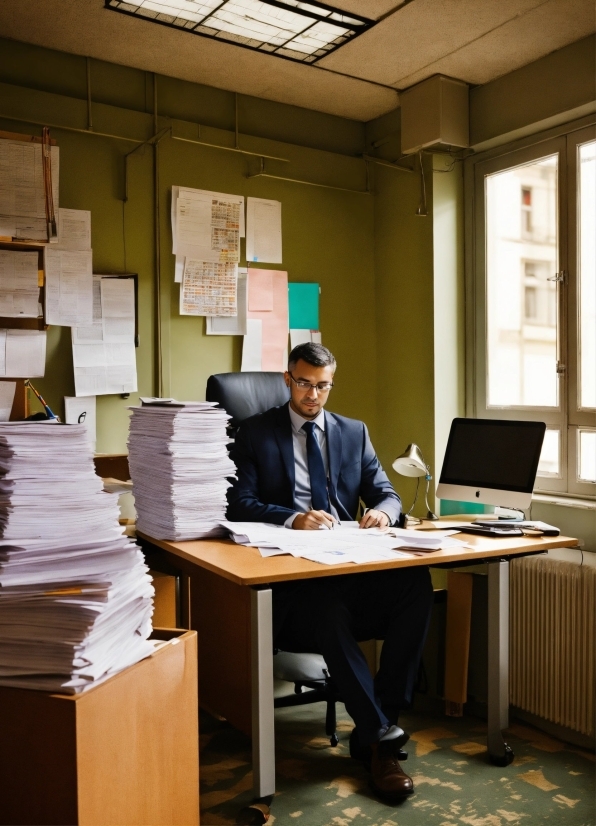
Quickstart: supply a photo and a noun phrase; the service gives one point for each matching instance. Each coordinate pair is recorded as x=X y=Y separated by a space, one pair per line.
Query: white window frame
x=568 y=418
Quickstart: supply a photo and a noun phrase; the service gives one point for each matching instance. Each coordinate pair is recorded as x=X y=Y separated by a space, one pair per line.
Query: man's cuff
x=290 y=520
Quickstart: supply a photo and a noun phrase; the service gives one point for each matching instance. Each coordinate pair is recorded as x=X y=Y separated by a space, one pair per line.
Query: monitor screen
x=492 y=453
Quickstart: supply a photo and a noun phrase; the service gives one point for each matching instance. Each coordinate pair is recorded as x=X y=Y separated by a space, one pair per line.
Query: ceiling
x=414 y=39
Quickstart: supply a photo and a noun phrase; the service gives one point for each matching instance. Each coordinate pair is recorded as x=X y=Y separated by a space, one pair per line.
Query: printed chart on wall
x=304 y=313
x=103 y=351
x=265 y=345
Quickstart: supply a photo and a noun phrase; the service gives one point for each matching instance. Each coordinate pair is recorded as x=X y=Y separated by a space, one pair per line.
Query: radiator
x=552 y=638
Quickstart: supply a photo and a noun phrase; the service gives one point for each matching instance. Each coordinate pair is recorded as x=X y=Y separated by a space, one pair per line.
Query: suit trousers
x=332 y=614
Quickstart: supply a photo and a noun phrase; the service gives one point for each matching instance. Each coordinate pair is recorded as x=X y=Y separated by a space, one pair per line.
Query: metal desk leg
x=498 y=662
x=263 y=733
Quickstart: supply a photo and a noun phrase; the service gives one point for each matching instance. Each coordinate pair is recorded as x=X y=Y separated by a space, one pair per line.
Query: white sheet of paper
x=263 y=231
x=252 y=346
x=208 y=288
x=19 y=290
x=82 y=410
x=304 y=337
x=25 y=353
x=178 y=270
x=7 y=391
x=231 y=325
x=74 y=229
x=206 y=225
x=22 y=194
x=69 y=287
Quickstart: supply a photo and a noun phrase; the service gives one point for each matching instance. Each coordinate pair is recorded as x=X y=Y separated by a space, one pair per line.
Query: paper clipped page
x=19 y=290
x=263 y=231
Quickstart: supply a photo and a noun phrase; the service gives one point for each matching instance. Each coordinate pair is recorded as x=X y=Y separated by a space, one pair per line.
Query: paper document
x=7 y=391
x=252 y=346
x=22 y=353
x=208 y=289
x=206 y=226
x=232 y=325
x=263 y=231
x=74 y=229
x=275 y=320
x=304 y=337
x=19 y=286
x=22 y=191
x=69 y=287
x=104 y=353
x=82 y=410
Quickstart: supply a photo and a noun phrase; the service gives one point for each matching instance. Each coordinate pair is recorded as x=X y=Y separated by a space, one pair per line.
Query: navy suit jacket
x=264 y=457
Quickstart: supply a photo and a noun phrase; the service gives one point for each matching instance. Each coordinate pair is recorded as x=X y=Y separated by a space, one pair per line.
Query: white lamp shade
x=411 y=462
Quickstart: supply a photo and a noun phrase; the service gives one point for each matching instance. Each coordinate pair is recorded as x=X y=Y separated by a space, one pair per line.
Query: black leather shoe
x=387 y=778
x=364 y=753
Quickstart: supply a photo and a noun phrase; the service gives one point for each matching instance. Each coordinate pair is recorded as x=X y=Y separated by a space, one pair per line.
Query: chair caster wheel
x=502 y=759
x=334 y=740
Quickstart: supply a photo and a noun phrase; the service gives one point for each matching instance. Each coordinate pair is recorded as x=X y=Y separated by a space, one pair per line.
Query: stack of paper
x=180 y=468
x=345 y=543
x=75 y=593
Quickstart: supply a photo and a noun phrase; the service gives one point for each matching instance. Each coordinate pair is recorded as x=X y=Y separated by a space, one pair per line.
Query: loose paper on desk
x=22 y=191
x=7 y=391
x=268 y=291
x=206 y=226
x=82 y=410
x=69 y=287
x=19 y=288
x=232 y=325
x=104 y=354
x=208 y=288
x=263 y=231
x=74 y=229
x=22 y=353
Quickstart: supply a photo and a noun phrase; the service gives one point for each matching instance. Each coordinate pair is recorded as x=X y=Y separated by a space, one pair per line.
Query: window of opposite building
x=532 y=293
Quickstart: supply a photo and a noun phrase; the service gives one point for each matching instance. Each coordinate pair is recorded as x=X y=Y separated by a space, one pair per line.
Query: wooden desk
x=230 y=571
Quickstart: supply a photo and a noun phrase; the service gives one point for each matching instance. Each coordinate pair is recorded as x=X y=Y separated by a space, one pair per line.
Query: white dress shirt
x=302 y=492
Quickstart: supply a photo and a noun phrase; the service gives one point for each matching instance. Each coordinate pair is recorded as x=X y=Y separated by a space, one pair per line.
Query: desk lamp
x=411 y=463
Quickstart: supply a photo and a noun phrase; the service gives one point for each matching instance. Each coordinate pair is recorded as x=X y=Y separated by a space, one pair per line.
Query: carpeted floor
x=549 y=781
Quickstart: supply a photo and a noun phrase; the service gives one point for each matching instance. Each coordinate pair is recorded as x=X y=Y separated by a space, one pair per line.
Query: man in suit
x=305 y=468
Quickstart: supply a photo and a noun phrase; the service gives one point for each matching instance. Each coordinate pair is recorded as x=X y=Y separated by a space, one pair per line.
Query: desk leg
x=263 y=733
x=498 y=662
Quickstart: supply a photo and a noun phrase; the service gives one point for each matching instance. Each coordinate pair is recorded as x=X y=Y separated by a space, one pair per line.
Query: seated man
x=305 y=468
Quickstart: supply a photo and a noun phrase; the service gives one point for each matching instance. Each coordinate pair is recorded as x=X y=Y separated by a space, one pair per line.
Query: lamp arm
x=409 y=513
x=429 y=513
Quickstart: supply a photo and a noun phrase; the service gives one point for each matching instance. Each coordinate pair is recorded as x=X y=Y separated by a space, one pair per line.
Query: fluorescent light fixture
x=287 y=28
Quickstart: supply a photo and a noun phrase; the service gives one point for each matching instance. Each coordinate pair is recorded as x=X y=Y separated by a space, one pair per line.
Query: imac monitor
x=491 y=461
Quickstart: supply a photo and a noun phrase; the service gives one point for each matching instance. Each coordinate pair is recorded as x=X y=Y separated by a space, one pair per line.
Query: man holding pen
x=307 y=469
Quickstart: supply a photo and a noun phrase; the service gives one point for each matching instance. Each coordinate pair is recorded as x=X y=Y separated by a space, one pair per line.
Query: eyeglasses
x=322 y=387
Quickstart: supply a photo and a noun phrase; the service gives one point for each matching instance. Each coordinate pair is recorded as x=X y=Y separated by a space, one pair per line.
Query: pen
x=46 y=406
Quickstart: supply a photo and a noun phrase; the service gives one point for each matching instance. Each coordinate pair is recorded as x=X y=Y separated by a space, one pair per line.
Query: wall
x=328 y=234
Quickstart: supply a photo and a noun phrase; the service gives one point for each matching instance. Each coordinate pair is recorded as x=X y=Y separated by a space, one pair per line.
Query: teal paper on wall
x=304 y=306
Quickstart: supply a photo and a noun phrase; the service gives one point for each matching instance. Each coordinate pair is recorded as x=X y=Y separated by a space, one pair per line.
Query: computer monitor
x=491 y=461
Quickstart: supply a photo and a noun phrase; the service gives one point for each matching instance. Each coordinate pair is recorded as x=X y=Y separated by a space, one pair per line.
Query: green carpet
x=549 y=781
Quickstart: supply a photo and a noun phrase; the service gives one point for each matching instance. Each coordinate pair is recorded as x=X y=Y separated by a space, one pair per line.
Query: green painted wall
x=328 y=234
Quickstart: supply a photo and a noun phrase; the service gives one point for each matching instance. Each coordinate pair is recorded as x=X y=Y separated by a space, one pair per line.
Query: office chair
x=243 y=395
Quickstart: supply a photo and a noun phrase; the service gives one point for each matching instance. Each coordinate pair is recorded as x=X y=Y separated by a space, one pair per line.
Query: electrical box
x=435 y=113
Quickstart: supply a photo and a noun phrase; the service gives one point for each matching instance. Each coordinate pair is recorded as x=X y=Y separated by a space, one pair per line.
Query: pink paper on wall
x=260 y=293
x=275 y=320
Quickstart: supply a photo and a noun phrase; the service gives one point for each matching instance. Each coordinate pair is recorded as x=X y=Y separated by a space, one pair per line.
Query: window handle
x=559 y=277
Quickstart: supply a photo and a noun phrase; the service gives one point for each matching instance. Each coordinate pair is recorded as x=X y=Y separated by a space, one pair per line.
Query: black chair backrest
x=245 y=394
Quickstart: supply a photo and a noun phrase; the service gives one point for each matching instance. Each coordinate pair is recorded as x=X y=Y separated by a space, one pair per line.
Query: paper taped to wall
x=69 y=287
x=263 y=231
x=19 y=290
x=74 y=229
x=22 y=353
x=252 y=346
x=208 y=288
x=22 y=193
x=274 y=321
x=232 y=325
x=207 y=226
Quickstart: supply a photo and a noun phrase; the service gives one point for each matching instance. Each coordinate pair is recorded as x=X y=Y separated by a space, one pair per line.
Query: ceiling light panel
x=292 y=29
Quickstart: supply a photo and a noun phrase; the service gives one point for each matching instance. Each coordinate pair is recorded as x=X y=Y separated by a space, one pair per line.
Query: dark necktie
x=316 y=469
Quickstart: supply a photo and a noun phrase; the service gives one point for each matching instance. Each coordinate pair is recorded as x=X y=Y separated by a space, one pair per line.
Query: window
x=533 y=298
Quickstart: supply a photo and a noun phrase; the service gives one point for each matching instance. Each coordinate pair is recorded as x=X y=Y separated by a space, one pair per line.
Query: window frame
x=568 y=418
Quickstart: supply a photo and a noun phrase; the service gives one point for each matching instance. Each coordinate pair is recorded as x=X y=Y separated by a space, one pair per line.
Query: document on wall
x=82 y=410
x=304 y=337
x=19 y=287
x=263 y=231
x=208 y=288
x=252 y=346
x=69 y=287
x=232 y=325
x=74 y=229
x=206 y=226
x=104 y=354
x=269 y=289
x=22 y=353
x=7 y=391
x=22 y=190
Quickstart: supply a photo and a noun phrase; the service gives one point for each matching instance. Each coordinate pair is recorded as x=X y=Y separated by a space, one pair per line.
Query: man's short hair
x=313 y=354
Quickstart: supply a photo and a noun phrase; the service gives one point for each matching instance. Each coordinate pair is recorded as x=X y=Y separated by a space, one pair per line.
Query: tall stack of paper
x=180 y=469
x=75 y=594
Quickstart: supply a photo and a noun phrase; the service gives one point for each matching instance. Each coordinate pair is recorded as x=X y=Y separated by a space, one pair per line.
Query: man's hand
x=374 y=519
x=313 y=520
